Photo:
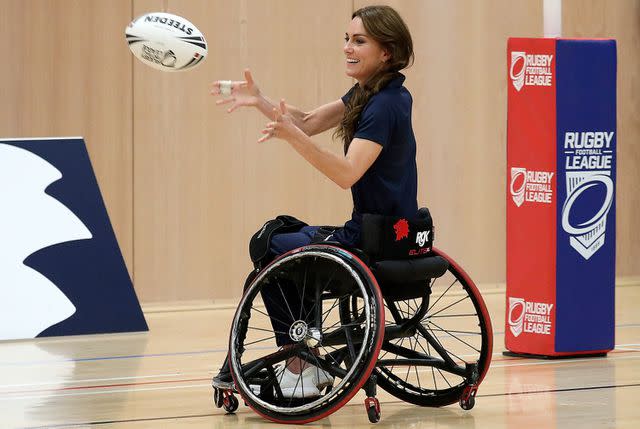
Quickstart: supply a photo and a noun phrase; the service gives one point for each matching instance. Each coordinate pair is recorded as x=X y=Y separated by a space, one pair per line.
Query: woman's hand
x=283 y=126
x=243 y=92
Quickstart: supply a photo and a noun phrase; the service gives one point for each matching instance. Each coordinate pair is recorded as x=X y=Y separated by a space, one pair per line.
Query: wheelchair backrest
x=397 y=237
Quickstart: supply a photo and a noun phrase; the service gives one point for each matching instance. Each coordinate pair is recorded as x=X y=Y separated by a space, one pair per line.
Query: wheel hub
x=298 y=330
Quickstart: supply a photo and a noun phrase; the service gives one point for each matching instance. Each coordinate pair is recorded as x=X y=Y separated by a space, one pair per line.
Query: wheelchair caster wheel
x=373 y=409
x=230 y=403
x=468 y=403
x=218 y=397
x=468 y=398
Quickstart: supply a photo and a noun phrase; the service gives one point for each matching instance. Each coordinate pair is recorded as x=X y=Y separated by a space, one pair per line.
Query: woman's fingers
x=276 y=114
x=234 y=107
x=248 y=77
x=235 y=86
x=224 y=101
x=215 y=88
x=283 y=107
x=268 y=131
x=265 y=138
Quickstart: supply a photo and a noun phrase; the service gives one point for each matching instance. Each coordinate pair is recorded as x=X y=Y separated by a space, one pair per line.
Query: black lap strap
x=259 y=244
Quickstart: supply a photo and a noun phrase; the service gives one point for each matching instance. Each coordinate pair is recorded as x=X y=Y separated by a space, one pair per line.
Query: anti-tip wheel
x=230 y=404
x=468 y=403
x=373 y=409
x=374 y=415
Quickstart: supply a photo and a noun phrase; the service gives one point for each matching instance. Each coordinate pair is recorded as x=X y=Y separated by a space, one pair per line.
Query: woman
x=373 y=121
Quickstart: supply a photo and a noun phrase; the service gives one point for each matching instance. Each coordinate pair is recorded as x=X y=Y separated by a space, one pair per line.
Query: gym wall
x=186 y=184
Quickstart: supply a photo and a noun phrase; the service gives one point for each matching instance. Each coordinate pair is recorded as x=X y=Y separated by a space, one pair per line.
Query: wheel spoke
x=259 y=341
x=440 y=343
x=453 y=315
x=451 y=305
x=266 y=330
x=449 y=330
x=417 y=377
x=450 y=334
x=326 y=313
x=443 y=376
x=286 y=302
x=262 y=312
x=304 y=287
x=441 y=295
x=315 y=304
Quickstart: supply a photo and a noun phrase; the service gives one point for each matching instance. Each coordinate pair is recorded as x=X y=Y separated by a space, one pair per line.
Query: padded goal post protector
x=61 y=269
x=561 y=168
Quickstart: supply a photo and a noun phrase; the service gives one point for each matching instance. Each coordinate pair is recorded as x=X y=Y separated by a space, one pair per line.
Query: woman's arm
x=247 y=93
x=318 y=120
x=343 y=170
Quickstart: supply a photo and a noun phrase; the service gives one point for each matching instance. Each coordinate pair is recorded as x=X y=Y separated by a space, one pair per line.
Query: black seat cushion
x=409 y=270
x=406 y=279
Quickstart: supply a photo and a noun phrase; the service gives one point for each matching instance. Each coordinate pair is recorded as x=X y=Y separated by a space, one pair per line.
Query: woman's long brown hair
x=384 y=25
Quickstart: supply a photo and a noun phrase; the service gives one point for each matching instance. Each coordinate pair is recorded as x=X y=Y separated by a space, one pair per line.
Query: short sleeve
x=376 y=121
x=345 y=98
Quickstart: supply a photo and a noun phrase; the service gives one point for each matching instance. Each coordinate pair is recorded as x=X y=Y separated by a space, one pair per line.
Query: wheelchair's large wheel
x=458 y=322
x=339 y=328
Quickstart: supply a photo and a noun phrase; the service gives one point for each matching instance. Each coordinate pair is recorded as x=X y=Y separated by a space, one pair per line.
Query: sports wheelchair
x=415 y=325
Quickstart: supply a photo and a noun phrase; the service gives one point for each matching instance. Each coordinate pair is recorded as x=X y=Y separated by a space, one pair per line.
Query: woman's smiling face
x=364 y=55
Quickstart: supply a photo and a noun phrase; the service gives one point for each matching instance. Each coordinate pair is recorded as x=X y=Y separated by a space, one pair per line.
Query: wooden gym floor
x=160 y=379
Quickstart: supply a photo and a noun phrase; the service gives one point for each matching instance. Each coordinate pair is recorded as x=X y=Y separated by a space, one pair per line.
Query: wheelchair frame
x=362 y=326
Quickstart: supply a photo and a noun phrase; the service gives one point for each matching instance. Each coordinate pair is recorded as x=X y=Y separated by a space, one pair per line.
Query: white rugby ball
x=166 y=42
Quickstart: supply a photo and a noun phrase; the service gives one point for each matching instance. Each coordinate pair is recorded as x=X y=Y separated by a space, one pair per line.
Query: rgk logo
x=422 y=237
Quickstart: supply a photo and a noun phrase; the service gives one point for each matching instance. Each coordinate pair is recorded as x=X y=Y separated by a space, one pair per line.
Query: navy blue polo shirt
x=389 y=186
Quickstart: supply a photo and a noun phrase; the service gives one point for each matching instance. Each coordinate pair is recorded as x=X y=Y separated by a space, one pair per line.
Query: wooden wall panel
x=186 y=184
x=620 y=20
x=67 y=72
x=202 y=183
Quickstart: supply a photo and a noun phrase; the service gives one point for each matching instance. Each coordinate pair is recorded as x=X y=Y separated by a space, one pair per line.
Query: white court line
x=562 y=361
x=96 y=392
x=133 y=389
x=210 y=373
x=93 y=380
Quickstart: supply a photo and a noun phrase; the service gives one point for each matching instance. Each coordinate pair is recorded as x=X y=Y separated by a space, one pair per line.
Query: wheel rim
x=250 y=319
x=457 y=320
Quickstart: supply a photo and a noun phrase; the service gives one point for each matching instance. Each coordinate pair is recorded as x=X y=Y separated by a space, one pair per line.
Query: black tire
x=336 y=276
x=459 y=321
x=218 y=397
x=467 y=404
x=230 y=404
x=373 y=414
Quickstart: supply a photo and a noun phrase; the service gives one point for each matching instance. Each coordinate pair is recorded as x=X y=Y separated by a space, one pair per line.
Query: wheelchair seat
x=409 y=278
x=401 y=261
x=395 y=313
x=410 y=270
